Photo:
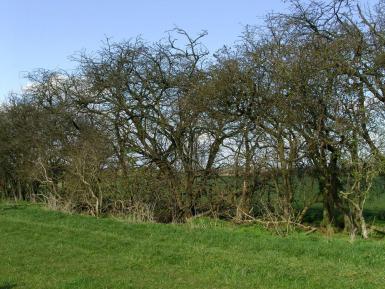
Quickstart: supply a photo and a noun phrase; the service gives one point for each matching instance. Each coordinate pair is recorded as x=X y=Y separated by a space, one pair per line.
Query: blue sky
x=44 y=33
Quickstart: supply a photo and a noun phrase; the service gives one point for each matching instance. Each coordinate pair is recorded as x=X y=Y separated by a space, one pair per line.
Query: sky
x=45 y=33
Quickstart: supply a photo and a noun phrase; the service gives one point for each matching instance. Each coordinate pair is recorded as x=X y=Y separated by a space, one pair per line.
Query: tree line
x=290 y=116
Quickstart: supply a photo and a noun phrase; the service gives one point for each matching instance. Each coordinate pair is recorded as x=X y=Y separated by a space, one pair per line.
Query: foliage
x=166 y=132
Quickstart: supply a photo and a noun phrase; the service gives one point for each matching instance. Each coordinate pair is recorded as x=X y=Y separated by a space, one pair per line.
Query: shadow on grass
x=5 y=207
x=7 y=286
x=314 y=215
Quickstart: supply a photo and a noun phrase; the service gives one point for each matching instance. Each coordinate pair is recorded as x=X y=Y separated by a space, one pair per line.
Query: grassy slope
x=43 y=249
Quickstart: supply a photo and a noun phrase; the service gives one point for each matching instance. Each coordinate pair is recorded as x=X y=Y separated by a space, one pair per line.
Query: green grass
x=44 y=249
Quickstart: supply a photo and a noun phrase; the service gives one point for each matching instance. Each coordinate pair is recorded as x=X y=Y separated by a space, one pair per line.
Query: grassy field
x=44 y=249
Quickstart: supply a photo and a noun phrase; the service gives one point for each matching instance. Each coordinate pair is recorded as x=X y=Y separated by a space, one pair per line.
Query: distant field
x=44 y=249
